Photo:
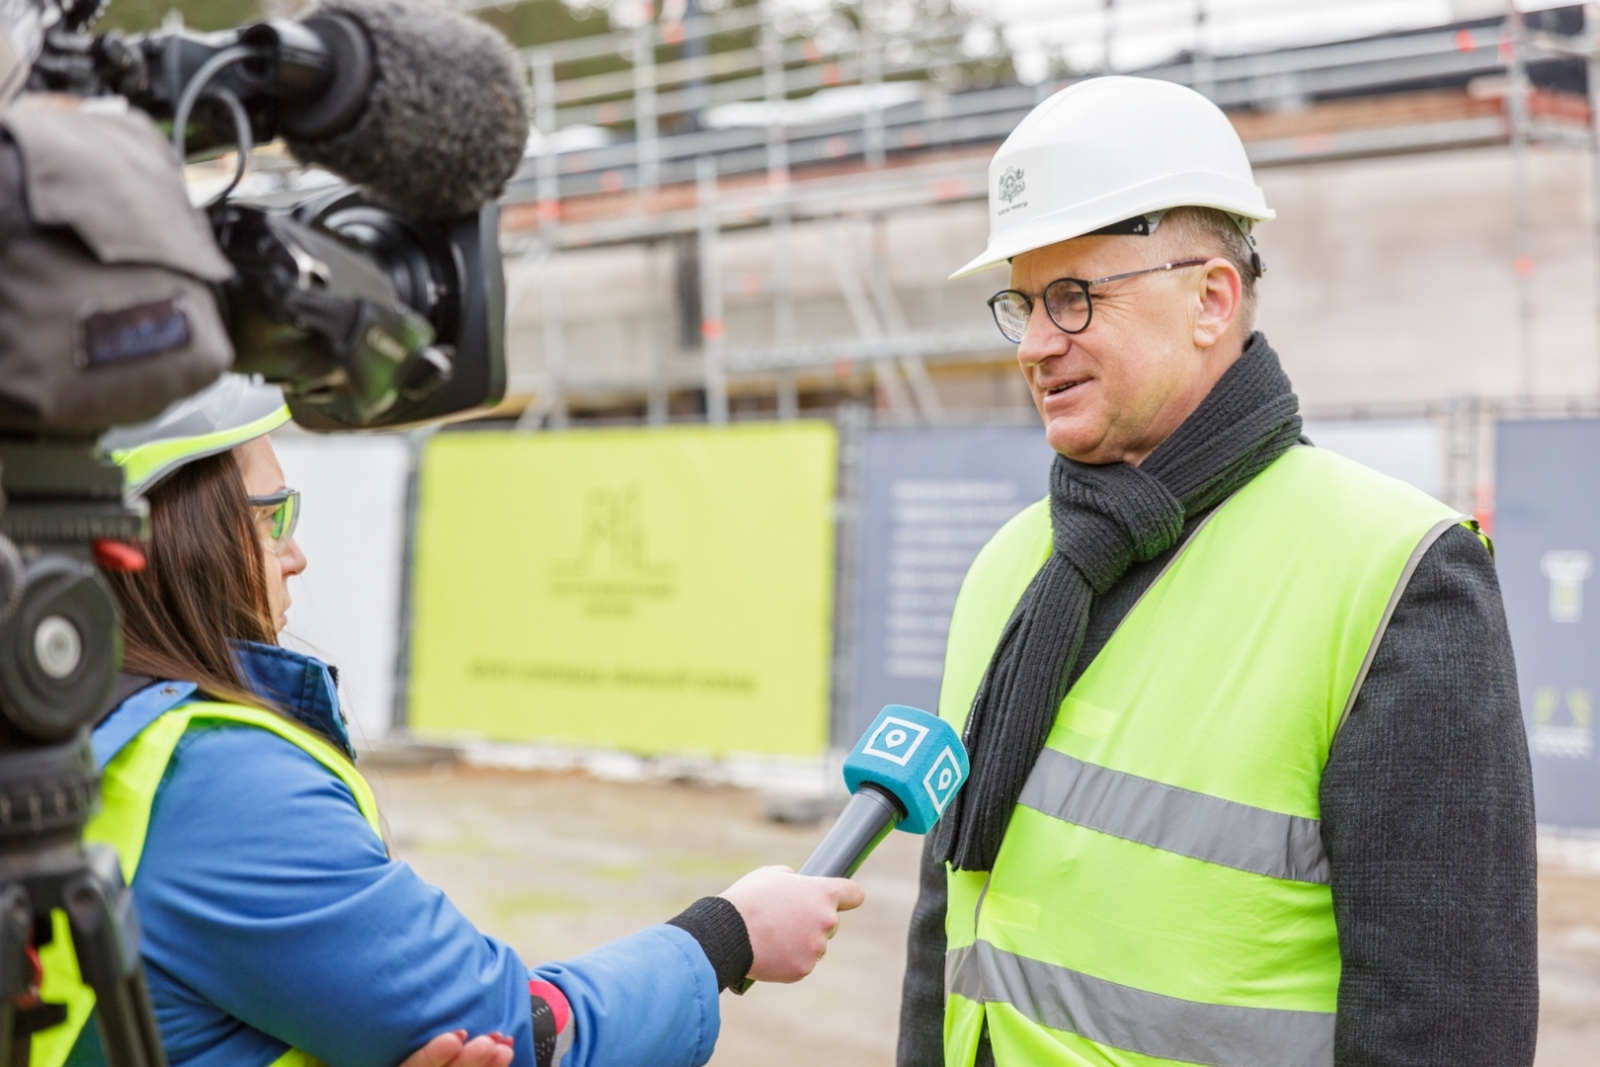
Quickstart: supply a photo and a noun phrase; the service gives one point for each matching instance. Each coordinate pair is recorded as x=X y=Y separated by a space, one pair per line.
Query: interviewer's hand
x=790 y=918
x=452 y=1049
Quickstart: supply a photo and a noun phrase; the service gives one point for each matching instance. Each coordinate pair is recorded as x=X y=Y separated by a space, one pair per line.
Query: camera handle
x=84 y=882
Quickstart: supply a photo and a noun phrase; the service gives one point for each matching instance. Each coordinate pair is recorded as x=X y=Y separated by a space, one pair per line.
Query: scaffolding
x=906 y=151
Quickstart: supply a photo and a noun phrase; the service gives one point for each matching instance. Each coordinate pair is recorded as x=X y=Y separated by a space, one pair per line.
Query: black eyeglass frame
x=1088 y=297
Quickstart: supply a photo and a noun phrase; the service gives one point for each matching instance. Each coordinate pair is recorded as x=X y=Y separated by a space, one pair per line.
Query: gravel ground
x=558 y=863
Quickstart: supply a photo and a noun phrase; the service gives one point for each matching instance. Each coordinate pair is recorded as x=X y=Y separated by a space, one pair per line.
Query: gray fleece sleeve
x=1427 y=817
x=922 y=995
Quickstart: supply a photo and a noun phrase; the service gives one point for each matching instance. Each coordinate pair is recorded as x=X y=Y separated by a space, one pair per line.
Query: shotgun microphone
x=420 y=105
x=442 y=119
x=903 y=773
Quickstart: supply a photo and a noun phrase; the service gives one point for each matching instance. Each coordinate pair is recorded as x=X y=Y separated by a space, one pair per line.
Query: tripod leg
x=16 y=972
x=105 y=936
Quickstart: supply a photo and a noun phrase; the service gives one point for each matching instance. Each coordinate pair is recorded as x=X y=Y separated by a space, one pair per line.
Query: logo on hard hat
x=1011 y=184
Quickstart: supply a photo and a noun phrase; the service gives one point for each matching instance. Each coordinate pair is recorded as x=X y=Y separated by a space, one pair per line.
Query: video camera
x=374 y=304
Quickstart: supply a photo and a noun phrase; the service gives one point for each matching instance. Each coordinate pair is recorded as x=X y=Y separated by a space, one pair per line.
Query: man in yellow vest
x=1249 y=784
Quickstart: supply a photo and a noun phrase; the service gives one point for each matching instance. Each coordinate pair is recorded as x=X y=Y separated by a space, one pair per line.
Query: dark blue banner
x=930 y=499
x=1547 y=536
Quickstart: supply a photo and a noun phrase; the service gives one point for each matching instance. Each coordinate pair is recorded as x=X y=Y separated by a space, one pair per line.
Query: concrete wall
x=1390 y=282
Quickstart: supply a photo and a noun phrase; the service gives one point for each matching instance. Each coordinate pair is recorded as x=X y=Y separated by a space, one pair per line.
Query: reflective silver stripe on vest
x=1176 y=820
x=1148 y=1023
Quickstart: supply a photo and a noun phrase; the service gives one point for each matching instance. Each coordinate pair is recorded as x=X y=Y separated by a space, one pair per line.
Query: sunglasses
x=281 y=511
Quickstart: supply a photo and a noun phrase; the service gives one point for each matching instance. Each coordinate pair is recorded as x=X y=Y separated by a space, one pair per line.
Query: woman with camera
x=277 y=930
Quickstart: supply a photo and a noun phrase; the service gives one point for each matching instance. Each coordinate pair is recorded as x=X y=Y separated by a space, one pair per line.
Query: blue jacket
x=273 y=915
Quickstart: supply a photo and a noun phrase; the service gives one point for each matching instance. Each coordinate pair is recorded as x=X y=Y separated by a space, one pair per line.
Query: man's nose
x=1042 y=339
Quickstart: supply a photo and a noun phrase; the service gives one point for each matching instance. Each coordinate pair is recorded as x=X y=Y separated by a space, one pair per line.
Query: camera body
x=372 y=305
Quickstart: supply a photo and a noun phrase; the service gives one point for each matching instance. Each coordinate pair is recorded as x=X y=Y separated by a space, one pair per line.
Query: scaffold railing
x=928 y=147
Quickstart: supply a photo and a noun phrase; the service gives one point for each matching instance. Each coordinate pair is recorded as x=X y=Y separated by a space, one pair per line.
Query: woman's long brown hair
x=203 y=584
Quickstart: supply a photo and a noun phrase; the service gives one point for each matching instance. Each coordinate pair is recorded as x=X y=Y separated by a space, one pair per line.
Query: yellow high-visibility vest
x=127 y=792
x=1162 y=894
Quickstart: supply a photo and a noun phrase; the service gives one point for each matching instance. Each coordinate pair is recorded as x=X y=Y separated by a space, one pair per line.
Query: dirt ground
x=1569 y=954
x=558 y=863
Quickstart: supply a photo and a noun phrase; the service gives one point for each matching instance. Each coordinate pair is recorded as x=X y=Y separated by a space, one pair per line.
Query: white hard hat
x=231 y=411
x=1108 y=150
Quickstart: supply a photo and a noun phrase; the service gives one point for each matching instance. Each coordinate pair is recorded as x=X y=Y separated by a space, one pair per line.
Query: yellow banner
x=652 y=590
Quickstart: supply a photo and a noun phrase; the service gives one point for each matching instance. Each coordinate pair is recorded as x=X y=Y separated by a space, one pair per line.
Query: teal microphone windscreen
x=916 y=757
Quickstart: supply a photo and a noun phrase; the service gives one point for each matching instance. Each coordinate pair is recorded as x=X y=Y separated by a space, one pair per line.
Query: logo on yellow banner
x=611 y=572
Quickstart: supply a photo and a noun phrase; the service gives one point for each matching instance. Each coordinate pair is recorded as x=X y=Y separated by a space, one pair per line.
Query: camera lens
x=417 y=262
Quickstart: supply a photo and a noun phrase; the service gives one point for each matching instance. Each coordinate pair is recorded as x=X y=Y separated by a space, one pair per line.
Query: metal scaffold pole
x=774 y=91
x=782 y=281
x=1522 y=235
x=783 y=304
x=646 y=135
x=1204 y=70
x=657 y=400
x=871 y=81
x=1591 y=25
x=712 y=329
x=553 y=404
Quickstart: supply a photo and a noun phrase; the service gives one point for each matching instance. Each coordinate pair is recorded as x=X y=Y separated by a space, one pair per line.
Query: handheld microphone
x=903 y=773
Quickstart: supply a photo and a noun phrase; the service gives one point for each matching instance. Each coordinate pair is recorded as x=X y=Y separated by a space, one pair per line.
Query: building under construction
x=1435 y=253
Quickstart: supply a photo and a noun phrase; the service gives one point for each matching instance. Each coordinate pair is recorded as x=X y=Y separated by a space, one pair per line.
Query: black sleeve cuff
x=718 y=926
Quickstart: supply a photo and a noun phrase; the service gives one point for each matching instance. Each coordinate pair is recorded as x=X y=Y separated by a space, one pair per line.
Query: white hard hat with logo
x=1108 y=150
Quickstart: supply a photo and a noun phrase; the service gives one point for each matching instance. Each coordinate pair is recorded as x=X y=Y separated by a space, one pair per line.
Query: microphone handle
x=867 y=819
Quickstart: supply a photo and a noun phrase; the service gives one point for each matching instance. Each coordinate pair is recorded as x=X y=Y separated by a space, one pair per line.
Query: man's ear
x=1221 y=297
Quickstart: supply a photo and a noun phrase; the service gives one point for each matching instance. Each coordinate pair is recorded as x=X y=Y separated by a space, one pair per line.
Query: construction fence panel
x=352 y=530
x=653 y=590
x=1547 y=536
x=930 y=498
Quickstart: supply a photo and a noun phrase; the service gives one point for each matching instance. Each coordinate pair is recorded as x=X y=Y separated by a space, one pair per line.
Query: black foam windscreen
x=445 y=120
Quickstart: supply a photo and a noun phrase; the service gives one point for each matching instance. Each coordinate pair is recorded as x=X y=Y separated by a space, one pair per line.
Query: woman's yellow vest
x=1161 y=896
x=127 y=791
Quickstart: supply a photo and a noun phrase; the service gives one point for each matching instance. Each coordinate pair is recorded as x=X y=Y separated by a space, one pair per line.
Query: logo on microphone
x=895 y=740
x=942 y=779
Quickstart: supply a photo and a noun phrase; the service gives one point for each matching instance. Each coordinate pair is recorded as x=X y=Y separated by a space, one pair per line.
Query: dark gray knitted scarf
x=1104 y=518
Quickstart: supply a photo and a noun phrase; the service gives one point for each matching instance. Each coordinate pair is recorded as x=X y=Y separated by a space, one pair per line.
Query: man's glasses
x=1066 y=300
x=279 y=514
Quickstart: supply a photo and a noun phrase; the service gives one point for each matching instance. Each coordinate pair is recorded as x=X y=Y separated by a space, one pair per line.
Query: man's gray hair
x=1207 y=231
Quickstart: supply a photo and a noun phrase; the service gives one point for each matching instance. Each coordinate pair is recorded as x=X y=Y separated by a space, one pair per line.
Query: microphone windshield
x=915 y=757
x=445 y=120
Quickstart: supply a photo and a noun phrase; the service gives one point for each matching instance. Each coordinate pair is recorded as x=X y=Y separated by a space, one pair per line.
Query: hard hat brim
x=220 y=417
x=1198 y=189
